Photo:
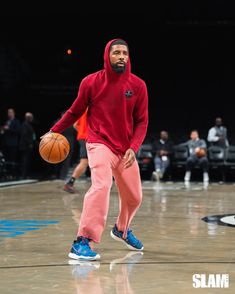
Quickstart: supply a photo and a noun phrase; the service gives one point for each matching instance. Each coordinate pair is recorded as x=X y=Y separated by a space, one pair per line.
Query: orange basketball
x=201 y=152
x=54 y=147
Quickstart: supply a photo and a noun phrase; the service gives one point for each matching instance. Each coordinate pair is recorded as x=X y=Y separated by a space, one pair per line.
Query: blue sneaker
x=82 y=250
x=131 y=241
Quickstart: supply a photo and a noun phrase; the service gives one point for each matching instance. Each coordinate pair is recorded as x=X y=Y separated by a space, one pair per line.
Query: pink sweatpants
x=105 y=165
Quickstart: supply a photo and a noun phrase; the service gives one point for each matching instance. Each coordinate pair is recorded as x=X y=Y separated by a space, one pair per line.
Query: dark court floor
x=185 y=230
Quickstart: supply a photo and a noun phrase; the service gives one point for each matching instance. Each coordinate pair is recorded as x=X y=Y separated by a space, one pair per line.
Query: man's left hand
x=129 y=158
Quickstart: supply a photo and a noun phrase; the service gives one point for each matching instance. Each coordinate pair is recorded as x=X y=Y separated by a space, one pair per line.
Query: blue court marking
x=13 y=228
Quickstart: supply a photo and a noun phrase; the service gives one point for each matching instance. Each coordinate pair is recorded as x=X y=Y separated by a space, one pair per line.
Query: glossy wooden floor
x=39 y=222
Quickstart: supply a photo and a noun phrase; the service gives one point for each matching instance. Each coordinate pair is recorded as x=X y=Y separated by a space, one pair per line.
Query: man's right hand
x=46 y=134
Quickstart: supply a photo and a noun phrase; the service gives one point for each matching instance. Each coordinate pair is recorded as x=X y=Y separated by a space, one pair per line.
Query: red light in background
x=69 y=51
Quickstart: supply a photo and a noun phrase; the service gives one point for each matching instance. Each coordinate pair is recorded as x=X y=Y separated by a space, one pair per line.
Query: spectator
x=163 y=149
x=197 y=155
x=10 y=140
x=1 y=137
x=217 y=135
x=27 y=145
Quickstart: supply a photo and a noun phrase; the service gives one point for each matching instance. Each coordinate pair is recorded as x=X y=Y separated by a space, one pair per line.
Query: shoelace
x=130 y=237
x=85 y=242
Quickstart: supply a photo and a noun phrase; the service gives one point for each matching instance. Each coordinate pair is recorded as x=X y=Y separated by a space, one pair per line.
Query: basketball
x=54 y=147
x=201 y=152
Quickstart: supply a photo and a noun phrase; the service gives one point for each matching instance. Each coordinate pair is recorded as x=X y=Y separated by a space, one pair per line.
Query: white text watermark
x=211 y=281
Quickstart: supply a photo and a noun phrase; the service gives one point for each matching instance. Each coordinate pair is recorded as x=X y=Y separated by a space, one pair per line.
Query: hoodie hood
x=111 y=74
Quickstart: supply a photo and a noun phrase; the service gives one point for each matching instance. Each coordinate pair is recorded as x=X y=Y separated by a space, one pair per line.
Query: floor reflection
x=122 y=270
x=88 y=279
x=84 y=278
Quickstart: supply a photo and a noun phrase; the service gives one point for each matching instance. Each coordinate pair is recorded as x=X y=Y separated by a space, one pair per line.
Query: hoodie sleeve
x=76 y=110
x=140 y=117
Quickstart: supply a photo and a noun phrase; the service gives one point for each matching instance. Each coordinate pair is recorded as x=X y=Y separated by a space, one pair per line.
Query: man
x=81 y=127
x=27 y=144
x=163 y=149
x=117 y=118
x=195 y=144
x=217 y=135
x=11 y=133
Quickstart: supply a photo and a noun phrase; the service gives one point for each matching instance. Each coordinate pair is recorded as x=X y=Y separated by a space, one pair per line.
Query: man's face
x=218 y=122
x=194 y=135
x=118 y=57
x=11 y=113
x=164 y=135
x=29 y=117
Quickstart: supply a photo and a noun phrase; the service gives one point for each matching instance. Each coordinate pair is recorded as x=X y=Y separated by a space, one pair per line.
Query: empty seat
x=216 y=157
x=230 y=156
x=180 y=155
x=229 y=161
x=146 y=150
x=145 y=160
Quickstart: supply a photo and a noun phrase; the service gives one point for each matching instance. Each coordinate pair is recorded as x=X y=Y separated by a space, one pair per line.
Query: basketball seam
x=51 y=150
x=43 y=144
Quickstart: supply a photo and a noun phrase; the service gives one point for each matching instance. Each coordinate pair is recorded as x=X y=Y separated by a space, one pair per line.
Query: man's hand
x=129 y=158
x=46 y=134
x=197 y=149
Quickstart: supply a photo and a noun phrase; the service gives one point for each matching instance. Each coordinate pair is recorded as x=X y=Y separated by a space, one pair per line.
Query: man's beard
x=117 y=68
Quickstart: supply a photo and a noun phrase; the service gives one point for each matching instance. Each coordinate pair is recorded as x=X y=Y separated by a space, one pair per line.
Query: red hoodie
x=117 y=108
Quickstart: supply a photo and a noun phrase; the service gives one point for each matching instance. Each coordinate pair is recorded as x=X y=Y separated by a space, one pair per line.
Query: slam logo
x=128 y=94
x=211 y=281
x=222 y=220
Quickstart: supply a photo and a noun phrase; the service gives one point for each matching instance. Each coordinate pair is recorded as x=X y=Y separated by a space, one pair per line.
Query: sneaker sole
x=128 y=245
x=81 y=257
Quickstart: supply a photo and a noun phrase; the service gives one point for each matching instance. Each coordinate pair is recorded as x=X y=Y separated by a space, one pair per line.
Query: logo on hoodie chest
x=128 y=94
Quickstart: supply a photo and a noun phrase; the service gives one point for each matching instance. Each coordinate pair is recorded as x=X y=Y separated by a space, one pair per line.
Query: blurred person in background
x=197 y=148
x=81 y=127
x=27 y=145
x=62 y=169
x=218 y=134
x=163 y=149
x=10 y=137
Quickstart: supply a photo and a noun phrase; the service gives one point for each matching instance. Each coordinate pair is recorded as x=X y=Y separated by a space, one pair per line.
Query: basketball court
x=185 y=231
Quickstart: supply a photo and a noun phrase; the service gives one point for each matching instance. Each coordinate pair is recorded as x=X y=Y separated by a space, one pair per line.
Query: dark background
x=184 y=51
